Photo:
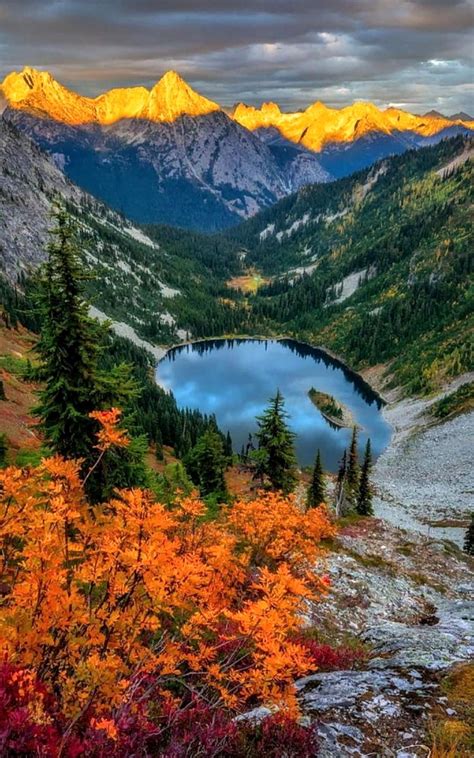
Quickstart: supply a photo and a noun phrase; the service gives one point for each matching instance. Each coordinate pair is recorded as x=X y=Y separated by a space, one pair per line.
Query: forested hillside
x=377 y=266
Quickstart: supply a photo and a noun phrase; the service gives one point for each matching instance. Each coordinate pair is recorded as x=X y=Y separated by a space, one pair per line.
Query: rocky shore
x=424 y=479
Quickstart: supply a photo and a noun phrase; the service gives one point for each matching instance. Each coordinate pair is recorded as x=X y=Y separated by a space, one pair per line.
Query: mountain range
x=171 y=155
x=376 y=266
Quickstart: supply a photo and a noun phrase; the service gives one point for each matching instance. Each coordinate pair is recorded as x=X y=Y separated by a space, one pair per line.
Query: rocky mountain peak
x=172 y=97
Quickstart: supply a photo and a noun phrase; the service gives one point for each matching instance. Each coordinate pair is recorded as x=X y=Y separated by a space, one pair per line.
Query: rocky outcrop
x=409 y=600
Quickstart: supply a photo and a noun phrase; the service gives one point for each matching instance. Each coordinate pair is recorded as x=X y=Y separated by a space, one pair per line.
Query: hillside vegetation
x=377 y=267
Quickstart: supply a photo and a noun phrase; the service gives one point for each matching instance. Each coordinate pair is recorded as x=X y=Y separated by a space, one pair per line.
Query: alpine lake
x=235 y=378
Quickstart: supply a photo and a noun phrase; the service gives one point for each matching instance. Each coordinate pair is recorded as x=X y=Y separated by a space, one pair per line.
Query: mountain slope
x=165 y=155
x=152 y=287
x=377 y=266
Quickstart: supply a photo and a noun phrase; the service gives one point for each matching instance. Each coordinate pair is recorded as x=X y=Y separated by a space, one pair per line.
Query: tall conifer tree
x=67 y=348
x=353 y=467
x=277 y=440
x=317 y=487
x=71 y=382
x=469 y=537
x=364 y=496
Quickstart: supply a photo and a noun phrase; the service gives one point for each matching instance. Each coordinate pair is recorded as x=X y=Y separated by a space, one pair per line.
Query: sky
x=414 y=54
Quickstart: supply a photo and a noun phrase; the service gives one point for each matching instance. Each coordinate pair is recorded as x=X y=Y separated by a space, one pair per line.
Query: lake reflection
x=234 y=380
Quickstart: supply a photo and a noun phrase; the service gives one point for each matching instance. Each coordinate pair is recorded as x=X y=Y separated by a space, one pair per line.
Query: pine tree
x=67 y=349
x=72 y=384
x=317 y=488
x=341 y=486
x=206 y=464
x=3 y=449
x=353 y=467
x=364 y=496
x=342 y=471
x=469 y=538
x=228 y=446
x=276 y=439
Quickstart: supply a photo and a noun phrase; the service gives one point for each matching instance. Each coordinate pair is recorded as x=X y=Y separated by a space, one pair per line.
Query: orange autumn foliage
x=109 y=434
x=96 y=599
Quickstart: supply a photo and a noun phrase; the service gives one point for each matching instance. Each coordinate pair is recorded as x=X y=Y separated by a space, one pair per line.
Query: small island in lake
x=334 y=411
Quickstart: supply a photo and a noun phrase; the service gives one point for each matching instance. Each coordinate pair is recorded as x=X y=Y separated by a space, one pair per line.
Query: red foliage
x=328 y=658
x=281 y=735
x=31 y=723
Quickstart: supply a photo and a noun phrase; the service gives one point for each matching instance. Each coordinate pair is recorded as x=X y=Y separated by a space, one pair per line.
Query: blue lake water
x=234 y=379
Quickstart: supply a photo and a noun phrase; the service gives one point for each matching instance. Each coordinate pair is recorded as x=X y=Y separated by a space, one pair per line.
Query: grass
x=30 y=456
x=248 y=283
x=454 y=737
x=14 y=365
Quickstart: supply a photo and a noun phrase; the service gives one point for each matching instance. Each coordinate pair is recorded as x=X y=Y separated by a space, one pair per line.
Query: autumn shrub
x=31 y=724
x=329 y=658
x=29 y=717
x=280 y=736
x=129 y=607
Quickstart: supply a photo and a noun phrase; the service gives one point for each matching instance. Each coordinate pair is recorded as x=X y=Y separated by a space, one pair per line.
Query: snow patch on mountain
x=347 y=286
x=127 y=331
x=267 y=232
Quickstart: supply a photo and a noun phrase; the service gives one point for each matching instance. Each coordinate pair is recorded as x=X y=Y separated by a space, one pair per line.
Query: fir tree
x=364 y=496
x=317 y=488
x=342 y=470
x=276 y=439
x=72 y=384
x=469 y=538
x=3 y=449
x=228 y=446
x=206 y=464
x=341 y=486
x=353 y=467
x=67 y=349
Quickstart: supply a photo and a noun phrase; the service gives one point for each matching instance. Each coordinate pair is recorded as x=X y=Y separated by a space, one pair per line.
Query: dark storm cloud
x=416 y=53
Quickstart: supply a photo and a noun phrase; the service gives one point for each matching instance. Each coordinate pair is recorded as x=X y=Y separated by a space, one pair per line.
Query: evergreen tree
x=364 y=496
x=341 y=486
x=276 y=439
x=353 y=467
x=72 y=384
x=469 y=538
x=3 y=449
x=2 y=391
x=228 y=446
x=342 y=470
x=317 y=488
x=68 y=349
x=206 y=464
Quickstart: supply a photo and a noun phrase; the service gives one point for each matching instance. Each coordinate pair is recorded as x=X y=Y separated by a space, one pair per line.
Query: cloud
x=417 y=52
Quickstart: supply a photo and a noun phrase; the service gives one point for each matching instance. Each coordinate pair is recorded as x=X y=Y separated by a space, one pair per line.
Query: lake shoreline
x=329 y=353
x=216 y=375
